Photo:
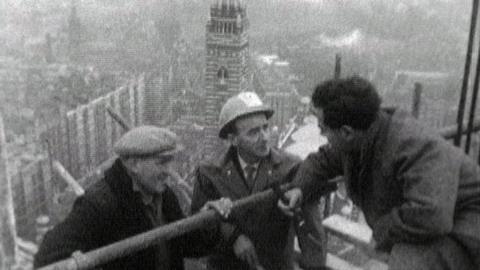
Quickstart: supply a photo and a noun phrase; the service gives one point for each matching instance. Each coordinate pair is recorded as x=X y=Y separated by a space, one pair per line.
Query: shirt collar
x=147 y=198
x=244 y=164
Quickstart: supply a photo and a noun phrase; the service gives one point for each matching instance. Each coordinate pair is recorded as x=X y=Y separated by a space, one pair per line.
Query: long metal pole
x=118 y=118
x=68 y=178
x=417 y=98
x=145 y=240
x=450 y=132
x=466 y=74
x=338 y=66
x=7 y=218
x=473 y=106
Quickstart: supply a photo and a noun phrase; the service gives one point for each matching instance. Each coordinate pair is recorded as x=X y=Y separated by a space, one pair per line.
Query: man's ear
x=232 y=139
x=348 y=133
x=131 y=164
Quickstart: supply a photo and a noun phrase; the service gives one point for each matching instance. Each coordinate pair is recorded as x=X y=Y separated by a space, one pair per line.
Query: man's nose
x=265 y=134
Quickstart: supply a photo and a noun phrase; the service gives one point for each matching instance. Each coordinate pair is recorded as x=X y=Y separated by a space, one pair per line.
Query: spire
x=226 y=8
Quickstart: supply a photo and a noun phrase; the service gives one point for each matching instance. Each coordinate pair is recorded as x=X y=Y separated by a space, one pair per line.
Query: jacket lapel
x=365 y=167
x=233 y=181
x=230 y=179
x=266 y=174
x=170 y=206
x=130 y=202
x=226 y=177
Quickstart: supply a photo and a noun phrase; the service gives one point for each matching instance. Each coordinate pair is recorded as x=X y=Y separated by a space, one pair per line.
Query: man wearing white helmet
x=260 y=238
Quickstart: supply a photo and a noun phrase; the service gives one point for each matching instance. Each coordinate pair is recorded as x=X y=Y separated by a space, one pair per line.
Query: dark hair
x=352 y=101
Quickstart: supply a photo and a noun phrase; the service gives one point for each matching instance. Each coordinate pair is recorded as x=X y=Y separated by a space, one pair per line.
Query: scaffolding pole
x=473 y=106
x=7 y=217
x=466 y=74
x=97 y=257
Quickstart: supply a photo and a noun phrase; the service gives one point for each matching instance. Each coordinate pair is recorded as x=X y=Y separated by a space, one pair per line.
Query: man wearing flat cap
x=131 y=198
x=260 y=238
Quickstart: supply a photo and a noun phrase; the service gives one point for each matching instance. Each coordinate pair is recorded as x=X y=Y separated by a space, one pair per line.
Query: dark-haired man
x=420 y=194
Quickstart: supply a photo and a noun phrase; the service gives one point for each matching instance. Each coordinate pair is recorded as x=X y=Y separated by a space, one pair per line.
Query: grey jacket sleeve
x=429 y=178
x=316 y=170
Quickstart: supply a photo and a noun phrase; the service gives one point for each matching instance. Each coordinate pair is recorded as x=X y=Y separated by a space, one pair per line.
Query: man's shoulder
x=407 y=136
x=101 y=195
x=209 y=169
x=217 y=160
x=403 y=127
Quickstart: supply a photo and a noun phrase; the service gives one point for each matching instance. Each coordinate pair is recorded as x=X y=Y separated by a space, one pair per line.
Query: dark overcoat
x=269 y=230
x=419 y=193
x=108 y=212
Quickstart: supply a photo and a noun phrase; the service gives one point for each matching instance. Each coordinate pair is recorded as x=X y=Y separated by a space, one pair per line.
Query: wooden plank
x=332 y=261
x=73 y=143
x=119 y=119
x=108 y=127
x=141 y=100
x=131 y=102
x=373 y=264
x=52 y=140
x=116 y=105
x=63 y=136
x=135 y=105
x=47 y=184
x=8 y=230
x=124 y=104
x=19 y=204
x=354 y=232
x=27 y=246
x=358 y=234
x=39 y=189
x=28 y=185
x=337 y=263
x=67 y=177
x=68 y=145
x=100 y=134
x=91 y=141
x=81 y=141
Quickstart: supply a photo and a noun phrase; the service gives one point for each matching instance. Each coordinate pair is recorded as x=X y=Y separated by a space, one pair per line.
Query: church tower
x=227 y=60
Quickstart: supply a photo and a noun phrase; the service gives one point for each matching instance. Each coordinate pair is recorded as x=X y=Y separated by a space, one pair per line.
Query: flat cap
x=147 y=140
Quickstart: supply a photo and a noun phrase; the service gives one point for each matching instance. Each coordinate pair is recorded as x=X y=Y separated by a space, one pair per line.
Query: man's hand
x=294 y=197
x=223 y=206
x=245 y=251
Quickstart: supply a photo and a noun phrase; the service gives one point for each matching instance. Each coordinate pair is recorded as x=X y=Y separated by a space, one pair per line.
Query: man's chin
x=263 y=152
x=160 y=189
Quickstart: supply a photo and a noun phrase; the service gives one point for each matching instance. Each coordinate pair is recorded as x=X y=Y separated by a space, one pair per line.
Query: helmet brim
x=223 y=133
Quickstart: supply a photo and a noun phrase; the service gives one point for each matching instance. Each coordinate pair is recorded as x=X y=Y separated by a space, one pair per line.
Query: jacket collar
x=121 y=184
x=363 y=162
x=226 y=175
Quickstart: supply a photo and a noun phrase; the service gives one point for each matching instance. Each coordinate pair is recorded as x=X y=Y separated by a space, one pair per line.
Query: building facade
x=227 y=61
